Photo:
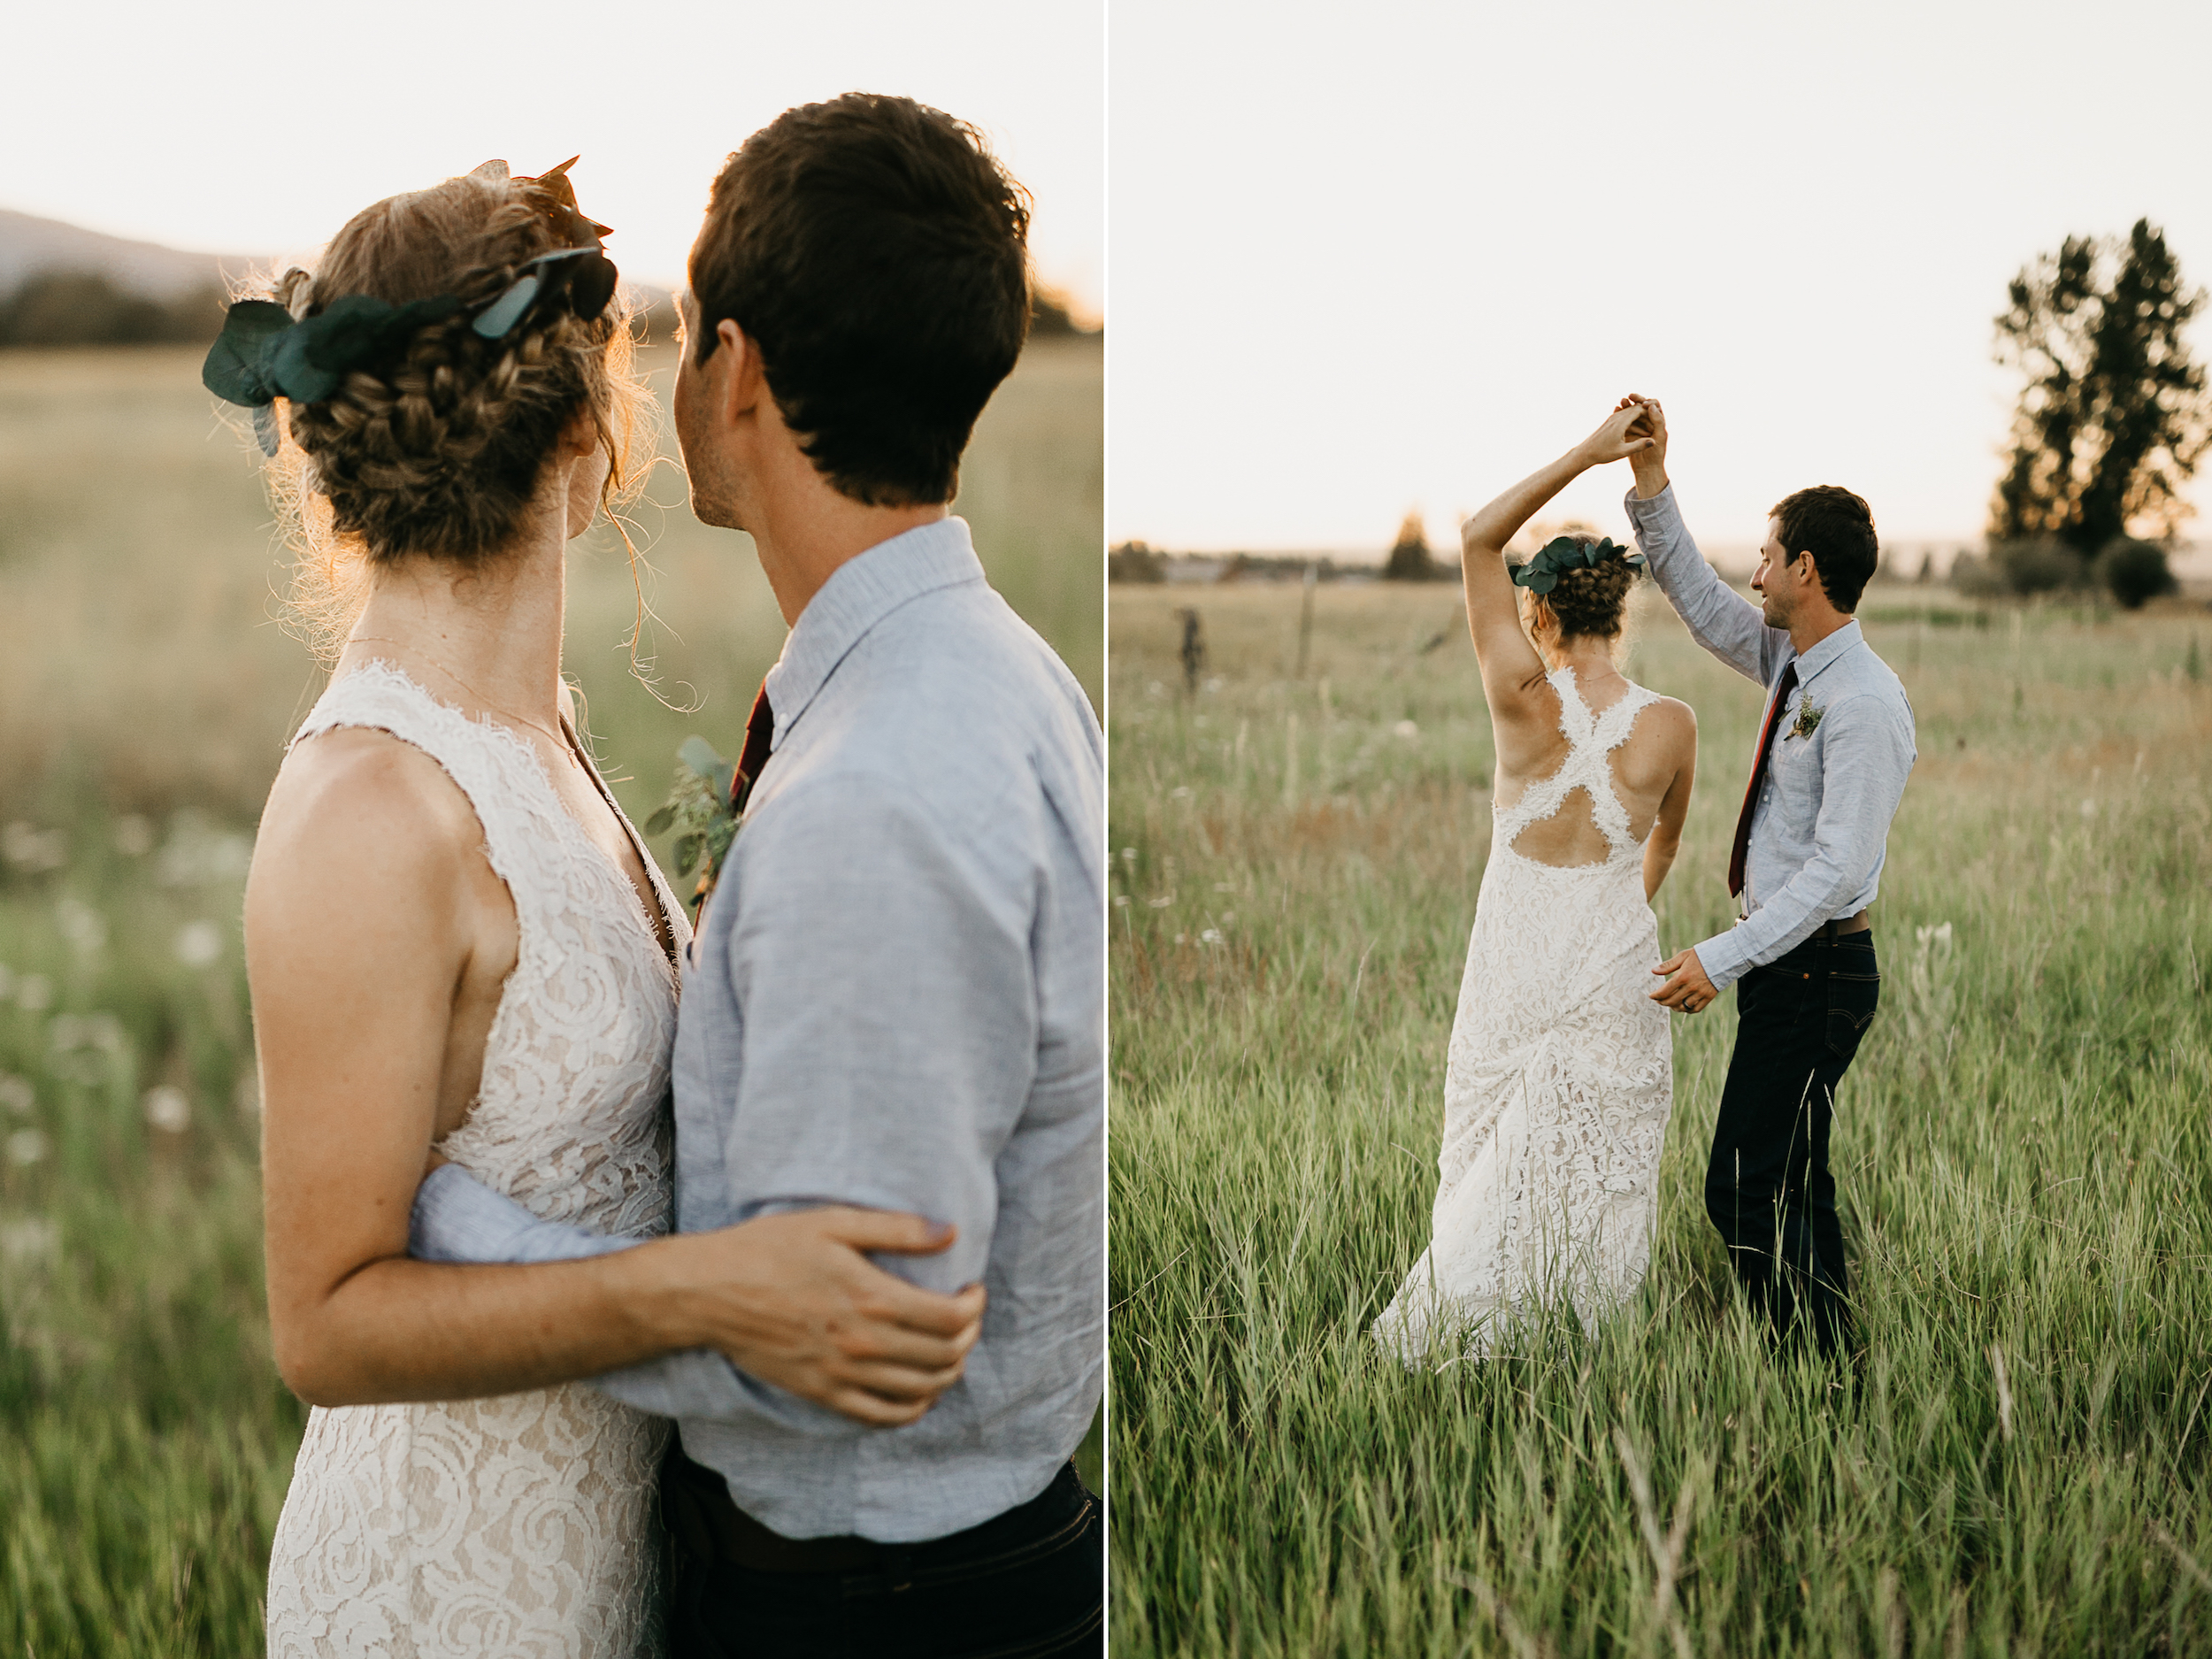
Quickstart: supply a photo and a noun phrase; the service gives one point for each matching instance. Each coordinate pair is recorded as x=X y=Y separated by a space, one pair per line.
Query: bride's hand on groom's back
x=793 y=1299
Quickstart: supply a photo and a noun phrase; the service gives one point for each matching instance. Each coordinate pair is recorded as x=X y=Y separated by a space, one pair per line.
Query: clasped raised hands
x=1620 y=436
x=1651 y=425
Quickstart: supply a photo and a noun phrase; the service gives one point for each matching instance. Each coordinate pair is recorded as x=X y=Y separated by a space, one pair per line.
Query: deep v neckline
x=650 y=910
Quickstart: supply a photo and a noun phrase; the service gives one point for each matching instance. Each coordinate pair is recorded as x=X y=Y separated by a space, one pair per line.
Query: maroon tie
x=760 y=734
x=1782 y=689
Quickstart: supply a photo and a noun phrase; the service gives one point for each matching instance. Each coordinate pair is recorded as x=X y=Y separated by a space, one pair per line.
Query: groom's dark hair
x=876 y=253
x=1836 y=529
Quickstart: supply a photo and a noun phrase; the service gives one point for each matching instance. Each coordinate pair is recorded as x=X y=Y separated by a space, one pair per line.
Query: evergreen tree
x=1409 y=559
x=2114 y=414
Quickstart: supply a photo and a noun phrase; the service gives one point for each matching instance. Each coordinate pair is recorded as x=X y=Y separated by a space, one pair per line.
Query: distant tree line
x=86 y=308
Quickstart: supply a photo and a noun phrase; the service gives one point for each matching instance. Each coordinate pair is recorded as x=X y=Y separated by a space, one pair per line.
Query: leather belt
x=1844 y=925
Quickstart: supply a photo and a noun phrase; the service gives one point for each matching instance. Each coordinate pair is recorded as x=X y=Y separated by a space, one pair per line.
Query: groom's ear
x=738 y=380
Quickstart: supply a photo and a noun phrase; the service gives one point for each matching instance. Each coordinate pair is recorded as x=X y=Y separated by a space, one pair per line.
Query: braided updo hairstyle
x=1589 y=599
x=443 y=452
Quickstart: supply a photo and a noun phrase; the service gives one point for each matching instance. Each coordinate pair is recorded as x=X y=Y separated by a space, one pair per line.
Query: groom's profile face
x=696 y=406
x=1771 y=581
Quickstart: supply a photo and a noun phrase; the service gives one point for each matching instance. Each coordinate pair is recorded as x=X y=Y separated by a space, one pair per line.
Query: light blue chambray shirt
x=895 y=1000
x=1820 y=827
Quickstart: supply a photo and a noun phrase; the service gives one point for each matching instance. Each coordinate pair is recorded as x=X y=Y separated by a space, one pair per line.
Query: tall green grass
x=2021 y=1149
x=146 y=689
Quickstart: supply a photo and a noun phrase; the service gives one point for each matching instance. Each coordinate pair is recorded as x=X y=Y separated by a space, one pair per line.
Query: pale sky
x=261 y=130
x=1369 y=257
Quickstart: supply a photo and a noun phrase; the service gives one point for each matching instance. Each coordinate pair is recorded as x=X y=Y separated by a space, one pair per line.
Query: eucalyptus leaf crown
x=1564 y=553
x=263 y=353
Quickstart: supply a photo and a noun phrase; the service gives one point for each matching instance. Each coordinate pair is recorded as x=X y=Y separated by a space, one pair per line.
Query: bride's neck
x=1586 y=653
x=486 y=633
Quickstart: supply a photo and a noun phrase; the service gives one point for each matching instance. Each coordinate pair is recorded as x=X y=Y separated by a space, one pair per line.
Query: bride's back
x=1645 y=741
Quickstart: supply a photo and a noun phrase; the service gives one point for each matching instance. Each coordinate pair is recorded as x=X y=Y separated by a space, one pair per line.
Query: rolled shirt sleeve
x=1865 y=755
x=457 y=1218
x=888 y=1002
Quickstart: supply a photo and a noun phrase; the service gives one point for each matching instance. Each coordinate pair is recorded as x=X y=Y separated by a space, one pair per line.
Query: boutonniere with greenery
x=698 y=809
x=1808 y=718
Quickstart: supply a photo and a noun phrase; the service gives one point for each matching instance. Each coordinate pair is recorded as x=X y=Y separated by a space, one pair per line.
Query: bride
x=1560 y=1076
x=459 y=949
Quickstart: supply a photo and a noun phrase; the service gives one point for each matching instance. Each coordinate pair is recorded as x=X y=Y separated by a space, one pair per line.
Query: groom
x=1834 y=749
x=896 y=997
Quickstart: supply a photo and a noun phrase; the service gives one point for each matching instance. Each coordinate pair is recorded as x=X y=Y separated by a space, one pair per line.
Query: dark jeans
x=1798 y=1023
x=1029 y=1584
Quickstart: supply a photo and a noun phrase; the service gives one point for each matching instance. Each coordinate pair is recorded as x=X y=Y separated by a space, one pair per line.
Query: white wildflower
x=16 y=1095
x=167 y=1108
x=1405 y=728
x=72 y=1032
x=33 y=992
x=198 y=944
x=26 y=1145
x=197 y=854
x=33 y=849
x=84 y=927
x=30 y=1239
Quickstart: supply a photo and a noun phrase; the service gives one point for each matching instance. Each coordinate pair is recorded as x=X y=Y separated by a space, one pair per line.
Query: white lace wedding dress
x=524 y=1524
x=1559 y=1080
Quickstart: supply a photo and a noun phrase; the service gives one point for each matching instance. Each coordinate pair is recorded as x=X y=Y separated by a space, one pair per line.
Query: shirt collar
x=1829 y=648
x=859 y=594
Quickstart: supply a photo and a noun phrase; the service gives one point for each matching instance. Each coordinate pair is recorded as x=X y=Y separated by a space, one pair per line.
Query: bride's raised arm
x=1510 y=664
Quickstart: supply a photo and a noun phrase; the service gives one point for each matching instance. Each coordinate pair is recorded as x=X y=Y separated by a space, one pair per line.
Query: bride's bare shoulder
x=359 y=799
x=1670 y=724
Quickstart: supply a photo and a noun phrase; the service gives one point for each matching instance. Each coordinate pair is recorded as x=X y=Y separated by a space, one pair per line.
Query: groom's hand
x=1649 y=462
x=793 y=1299
x=1688 y=990
x=1617 y=438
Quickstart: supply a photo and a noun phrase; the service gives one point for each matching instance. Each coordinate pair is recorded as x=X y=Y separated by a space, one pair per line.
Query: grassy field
x=145 y=692
x=2022 y=1150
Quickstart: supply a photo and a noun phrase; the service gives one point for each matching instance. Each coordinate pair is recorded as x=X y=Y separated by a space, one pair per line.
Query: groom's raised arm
x=1719 y=619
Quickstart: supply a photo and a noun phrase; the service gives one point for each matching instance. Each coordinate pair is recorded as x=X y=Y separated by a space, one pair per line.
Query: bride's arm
x=1508 y=662
x=1665 y=839
x=363 y=920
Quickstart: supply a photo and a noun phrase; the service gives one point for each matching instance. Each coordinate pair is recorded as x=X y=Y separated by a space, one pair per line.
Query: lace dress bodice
x=1591 y=740
x=1559 y=1079
x=521 y=1524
